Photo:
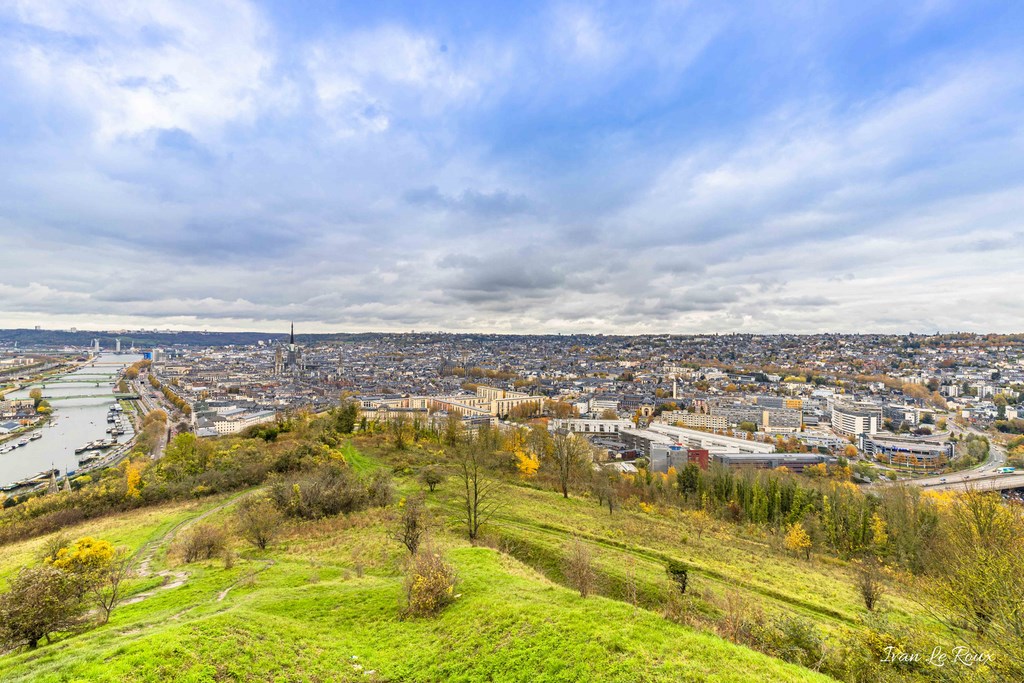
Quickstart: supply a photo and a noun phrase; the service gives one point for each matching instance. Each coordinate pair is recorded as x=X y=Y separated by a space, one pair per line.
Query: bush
x=579 y=568
x=259 y=521
x=429 y=583
x=381 y=489
x=53 y=546
x=324 y=492
x=793 y=639
x=41 y=600
x=203 y=542
x=679 y=573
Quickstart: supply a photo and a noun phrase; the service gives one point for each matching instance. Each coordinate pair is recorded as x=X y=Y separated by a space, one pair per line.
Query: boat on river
x=97 y=445
x=31 y=481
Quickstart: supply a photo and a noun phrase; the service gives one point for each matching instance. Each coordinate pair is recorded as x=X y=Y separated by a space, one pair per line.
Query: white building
x=239 y=422
x=692 y=438
x=856 y=418
x=582 y=426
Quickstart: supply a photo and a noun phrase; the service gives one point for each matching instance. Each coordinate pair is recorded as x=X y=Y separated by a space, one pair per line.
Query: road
x=986 y=470
x=988 y=482
x=151 y=399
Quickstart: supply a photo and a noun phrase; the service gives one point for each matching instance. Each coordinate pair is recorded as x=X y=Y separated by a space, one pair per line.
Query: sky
x=621 y=167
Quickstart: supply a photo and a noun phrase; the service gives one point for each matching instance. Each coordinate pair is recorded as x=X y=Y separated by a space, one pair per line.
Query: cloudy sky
x=545 y=167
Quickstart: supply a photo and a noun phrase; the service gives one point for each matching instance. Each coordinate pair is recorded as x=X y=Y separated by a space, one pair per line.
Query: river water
x=75 y=422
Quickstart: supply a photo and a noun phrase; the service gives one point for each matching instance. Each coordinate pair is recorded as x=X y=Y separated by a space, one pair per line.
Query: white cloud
x=364 y=79
x=136 y=66
x=577 y=32
x=541 y=180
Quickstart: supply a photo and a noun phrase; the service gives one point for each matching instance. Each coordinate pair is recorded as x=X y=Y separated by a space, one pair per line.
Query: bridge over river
x=117 y=395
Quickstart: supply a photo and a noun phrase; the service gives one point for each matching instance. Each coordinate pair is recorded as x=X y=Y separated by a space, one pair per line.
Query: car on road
x=942 y=481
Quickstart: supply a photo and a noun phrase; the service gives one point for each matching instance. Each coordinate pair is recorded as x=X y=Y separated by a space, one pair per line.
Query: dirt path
x=175 y=579
x=267 y=564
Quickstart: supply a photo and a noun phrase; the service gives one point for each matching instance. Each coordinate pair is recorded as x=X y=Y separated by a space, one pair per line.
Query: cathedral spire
x=291 y=340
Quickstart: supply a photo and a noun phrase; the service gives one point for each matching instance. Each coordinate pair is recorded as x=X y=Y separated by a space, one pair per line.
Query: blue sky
x=533 y=167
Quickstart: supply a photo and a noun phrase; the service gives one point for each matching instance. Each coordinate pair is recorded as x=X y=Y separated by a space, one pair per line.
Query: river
x=75 y=421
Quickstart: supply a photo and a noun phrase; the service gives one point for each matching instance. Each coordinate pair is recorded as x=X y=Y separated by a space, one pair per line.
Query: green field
x=325 y=602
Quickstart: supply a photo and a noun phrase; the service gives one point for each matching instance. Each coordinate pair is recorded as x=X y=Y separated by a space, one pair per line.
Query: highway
x=988 y=482
x=983 y=476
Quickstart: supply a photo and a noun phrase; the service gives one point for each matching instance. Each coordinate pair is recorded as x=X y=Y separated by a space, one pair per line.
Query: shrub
x=259 y=521
x=679 y=573
x=42 y=600
x=323 y=492
x=579 y=567
x=740 y=620
x=203 y=542
x=429 y=583
x=381 y=489
x=793 y=639
x=53 y=546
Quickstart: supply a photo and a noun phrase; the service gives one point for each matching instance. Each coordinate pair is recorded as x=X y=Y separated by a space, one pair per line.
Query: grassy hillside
x=326 y=600
x=325 y=604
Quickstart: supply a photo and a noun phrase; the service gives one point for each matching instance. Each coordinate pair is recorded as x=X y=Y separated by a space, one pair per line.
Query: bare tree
x=570 y=458
x=479 y=489
x=869 y=583
x=105 y=587
x=412 y=525
x=579 y=567
x=603 y=487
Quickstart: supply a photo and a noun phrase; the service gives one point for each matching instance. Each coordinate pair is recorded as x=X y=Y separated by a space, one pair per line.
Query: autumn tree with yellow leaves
x=798 y=540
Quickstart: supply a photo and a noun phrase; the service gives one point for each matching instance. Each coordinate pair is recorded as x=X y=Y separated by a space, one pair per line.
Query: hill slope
x=303 y=612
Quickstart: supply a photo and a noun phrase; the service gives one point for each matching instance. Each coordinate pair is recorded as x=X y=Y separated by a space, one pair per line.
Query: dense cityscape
x=908 y=405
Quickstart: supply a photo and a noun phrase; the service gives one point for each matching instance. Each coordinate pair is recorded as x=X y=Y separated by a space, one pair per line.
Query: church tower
x=290 y=356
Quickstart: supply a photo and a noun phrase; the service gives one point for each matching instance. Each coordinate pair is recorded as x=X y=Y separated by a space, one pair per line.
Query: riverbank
x=27 y=429
x=79 y=419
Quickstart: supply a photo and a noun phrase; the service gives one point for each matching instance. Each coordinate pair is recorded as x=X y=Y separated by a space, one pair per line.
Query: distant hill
x=26 y=338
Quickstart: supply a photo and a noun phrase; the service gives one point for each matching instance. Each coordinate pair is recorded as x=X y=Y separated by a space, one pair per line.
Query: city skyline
x=556 y=168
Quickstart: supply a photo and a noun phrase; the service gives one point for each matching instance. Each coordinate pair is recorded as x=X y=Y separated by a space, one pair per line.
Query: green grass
x=130 y=529
x=357 y=460
x=325 y=602
x=299 y=622
x=754 y=563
